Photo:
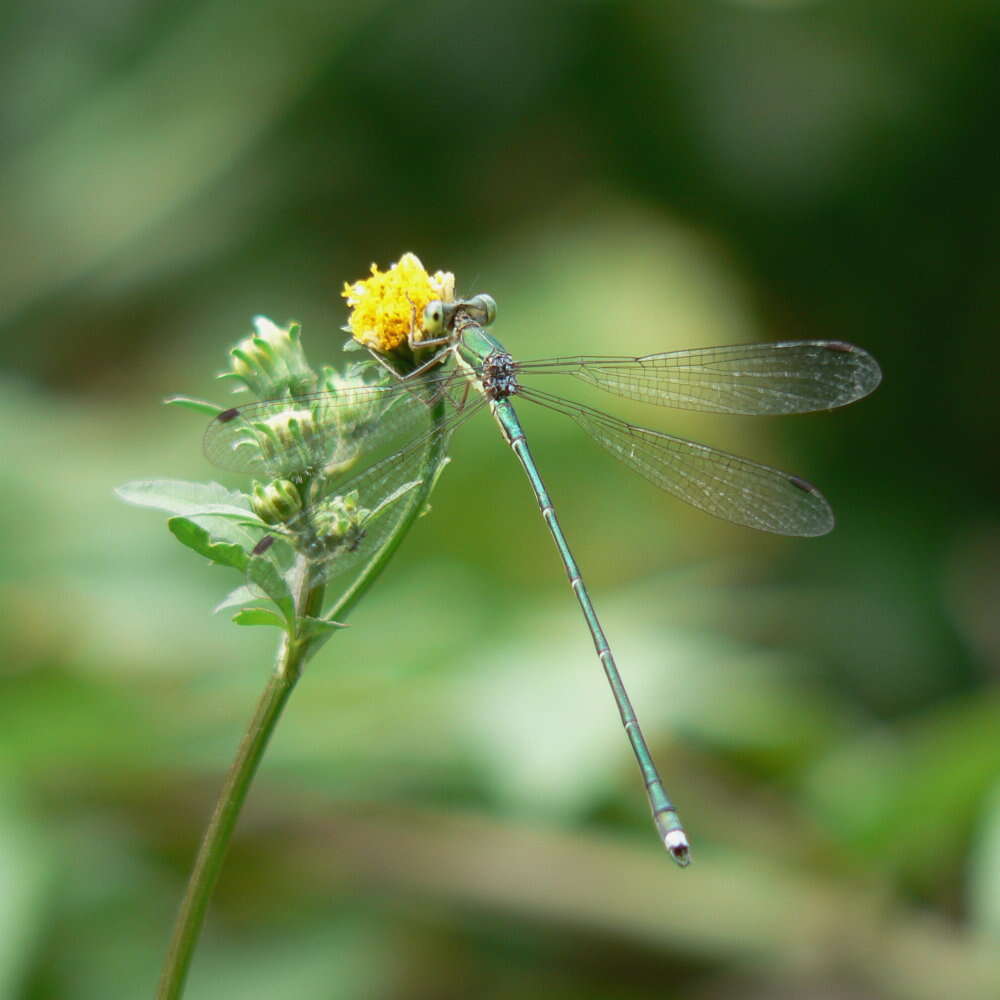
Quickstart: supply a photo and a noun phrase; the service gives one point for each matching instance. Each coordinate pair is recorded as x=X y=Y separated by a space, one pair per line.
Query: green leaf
x=309 y=627
x=177 y=496
x=264 y=574
x=235 y=597
x=195 y=536
x=316 y=631
x=259 y=616
x=197 y=405
x=246 y=531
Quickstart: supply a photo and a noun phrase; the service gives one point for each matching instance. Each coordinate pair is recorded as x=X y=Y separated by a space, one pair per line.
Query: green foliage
x=258 y=616
x=262 y=573
x=194 y=405
x=196 y=537
x=284 y=552
x=217 y=523
x=179 y=497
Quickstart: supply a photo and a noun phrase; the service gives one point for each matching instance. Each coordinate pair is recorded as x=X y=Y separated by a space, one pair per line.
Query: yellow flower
x=389 y=304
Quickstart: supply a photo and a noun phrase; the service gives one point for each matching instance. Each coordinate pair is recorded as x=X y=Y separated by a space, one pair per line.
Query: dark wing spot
x=803 y=485
x=839 y=345
x=263 y=545
x=226 y=415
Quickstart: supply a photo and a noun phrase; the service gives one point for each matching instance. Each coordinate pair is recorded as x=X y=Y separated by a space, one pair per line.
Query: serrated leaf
x=264 y=574
x=195 y=536
x=178 y=496
x=259 y=616
x=197 y=405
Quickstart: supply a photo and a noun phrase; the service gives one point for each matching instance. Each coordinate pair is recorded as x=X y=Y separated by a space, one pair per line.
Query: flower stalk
x=218 y=835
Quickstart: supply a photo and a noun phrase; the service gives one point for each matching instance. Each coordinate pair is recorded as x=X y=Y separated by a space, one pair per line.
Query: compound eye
x=486 y=306
x=434 y=318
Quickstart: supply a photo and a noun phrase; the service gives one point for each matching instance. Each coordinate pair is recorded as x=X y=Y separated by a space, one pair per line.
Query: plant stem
x=291 y=658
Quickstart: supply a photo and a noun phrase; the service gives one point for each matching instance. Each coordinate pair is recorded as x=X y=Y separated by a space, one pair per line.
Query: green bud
x=271 y=361
x=285 y=432
x=276 y=502
x=339 y=523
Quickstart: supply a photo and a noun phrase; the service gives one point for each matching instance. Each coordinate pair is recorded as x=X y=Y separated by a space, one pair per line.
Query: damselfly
x=332 y=441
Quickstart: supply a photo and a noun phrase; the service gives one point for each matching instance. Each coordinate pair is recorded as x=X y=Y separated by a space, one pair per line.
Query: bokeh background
x=449 y=808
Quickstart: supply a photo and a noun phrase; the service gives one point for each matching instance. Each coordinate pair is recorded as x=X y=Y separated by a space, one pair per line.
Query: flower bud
x=271 y=361
x=338 y=524
x=288 y=431
x=276 y=502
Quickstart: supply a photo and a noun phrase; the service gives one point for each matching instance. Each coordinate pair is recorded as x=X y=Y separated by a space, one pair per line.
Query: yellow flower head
x=389 y=304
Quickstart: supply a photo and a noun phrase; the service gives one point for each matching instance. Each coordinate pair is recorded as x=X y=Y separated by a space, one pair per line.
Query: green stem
x=432 y=464
x=292 y=656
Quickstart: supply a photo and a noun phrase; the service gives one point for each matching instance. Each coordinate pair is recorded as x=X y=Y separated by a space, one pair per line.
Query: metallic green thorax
x=474 y=345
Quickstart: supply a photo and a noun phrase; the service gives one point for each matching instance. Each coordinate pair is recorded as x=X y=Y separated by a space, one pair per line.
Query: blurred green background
x=623 y=178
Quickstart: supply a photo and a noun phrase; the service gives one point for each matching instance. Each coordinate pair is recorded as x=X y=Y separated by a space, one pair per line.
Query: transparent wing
x=726 y=486
x=321 y=432
x=788 y=377
x=358 y=511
